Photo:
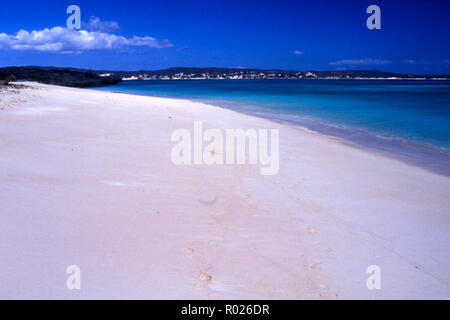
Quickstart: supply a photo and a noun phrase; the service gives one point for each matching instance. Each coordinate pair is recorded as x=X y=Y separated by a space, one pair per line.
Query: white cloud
x=360 y=62
x=95 y=24
x=298 y=52
x=64 y=40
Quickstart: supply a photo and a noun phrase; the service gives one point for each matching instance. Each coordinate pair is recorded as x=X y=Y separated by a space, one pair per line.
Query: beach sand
x=86 y=179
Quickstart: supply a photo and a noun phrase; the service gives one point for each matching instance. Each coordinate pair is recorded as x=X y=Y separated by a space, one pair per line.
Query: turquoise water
x=408 y=110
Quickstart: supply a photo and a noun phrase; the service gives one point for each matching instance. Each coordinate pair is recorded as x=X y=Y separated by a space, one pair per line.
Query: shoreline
x=251 y=79
x=86 y=179
x=422 y=155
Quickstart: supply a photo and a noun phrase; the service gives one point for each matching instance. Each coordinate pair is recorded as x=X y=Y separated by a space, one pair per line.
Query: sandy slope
x=86 y=179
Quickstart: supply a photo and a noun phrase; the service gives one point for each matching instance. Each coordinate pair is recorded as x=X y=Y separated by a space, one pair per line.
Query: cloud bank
x=360 y=62
x=64 y=40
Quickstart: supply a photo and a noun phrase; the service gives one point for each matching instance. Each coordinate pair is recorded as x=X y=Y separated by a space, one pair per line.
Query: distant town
x=252 y=74
x=82 y=78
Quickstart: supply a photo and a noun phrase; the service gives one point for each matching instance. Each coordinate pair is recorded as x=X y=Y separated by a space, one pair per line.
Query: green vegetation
x=57 y=76
x=9 y=79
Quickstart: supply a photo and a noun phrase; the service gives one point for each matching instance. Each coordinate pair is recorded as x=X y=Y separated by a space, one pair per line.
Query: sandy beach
x=86 y=179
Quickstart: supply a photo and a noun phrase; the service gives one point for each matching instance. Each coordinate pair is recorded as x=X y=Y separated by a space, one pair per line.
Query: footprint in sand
x=205 y=277
x=208 y=202
x=311 y=230
x=188 y=252
x=316 y=265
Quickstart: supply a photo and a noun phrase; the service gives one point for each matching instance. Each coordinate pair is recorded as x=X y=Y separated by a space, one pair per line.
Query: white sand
x=86 y=179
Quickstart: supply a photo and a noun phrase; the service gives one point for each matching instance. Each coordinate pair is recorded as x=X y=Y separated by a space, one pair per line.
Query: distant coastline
x=261 y=74
x=82 y=78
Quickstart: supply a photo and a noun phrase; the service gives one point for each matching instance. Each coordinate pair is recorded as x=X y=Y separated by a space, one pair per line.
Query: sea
x=405 y=119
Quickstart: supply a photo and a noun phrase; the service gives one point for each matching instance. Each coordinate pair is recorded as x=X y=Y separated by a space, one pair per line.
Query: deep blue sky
x=257 y=34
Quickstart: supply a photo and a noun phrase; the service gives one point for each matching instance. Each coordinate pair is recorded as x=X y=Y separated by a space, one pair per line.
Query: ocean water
x=408 y=117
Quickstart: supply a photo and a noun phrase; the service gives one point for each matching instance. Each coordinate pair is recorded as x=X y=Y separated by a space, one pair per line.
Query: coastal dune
x=86 y=179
